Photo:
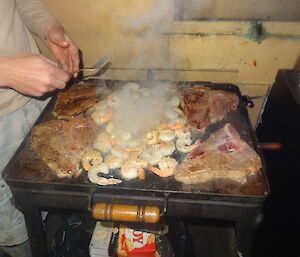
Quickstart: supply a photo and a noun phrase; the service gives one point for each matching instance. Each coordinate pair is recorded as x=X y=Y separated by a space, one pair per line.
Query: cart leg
x=245 y=230
x=244 y=242
x=35 y=232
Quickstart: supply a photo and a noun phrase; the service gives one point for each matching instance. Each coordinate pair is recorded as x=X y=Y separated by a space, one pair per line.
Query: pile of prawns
x=118 y=148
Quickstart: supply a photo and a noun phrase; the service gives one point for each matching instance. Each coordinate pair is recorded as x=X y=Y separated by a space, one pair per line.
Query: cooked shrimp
x=119 y=152
x=103 y=142
x=103 y=168
x=113 y=99
x=132 y=145
x=94 y=178
x=180 y=121
x=139 y=162
x=176 y=126
x=114 y=181
x=129 y=170
x=166 y=166
x=167 y=148
x=91 y=158
x=151 y=137
x=101 y=118
x=183 y=132
x=166 y=135
x=93 y=175
x=125 y=135
x=141 y=174
x=152 y=156
x=111 y=127
x=184 y=144
x=113 y=162
x=132 y=168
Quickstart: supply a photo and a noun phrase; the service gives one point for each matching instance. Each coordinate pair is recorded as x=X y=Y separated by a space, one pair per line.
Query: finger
x=75 y=60
x=70 y=65
x=61 y=76
x=57 y=36
x=60 y=84
x=74 y=54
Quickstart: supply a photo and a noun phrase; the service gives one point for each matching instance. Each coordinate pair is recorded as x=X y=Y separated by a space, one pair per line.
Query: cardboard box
x=134 y=243
x=104 y=240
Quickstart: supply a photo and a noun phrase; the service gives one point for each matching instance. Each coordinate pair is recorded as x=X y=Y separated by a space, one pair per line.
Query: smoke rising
x=139 y=110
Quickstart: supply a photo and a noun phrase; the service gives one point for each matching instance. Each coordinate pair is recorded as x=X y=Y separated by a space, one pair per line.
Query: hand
x=32 y=74
x=62 y=47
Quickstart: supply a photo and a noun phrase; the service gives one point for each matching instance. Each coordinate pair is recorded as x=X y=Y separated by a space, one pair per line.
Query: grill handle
x=126 y=213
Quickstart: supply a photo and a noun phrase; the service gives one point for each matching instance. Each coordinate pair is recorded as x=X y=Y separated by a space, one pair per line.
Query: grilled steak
x=222 y=155
x=61 y=144
x=205 y=106
x=77 y=100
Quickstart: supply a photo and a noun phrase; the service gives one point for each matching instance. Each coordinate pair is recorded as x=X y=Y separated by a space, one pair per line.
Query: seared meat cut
x=61 y=144
x=77 y=100
x=205 y=106
x=222 y=155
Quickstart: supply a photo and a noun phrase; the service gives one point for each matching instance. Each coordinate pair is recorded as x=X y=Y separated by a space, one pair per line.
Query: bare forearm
x=35 y=15
x=31 y=74
x=4 y=79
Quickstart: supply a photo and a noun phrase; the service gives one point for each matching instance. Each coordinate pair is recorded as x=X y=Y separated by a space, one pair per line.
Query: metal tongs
x=97 y=67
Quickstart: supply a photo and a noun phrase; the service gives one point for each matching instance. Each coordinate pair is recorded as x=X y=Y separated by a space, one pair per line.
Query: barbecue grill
x=36 y=188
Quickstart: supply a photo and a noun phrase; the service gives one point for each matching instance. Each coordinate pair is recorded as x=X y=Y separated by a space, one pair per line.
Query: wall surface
x=141 y=35
x=279 y=10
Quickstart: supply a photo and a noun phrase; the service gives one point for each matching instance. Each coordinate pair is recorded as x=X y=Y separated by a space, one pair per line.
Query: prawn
x=119 y=152
x=103 y=142
x=166 y=166
x=184 y=144
x=183 y=133
x=129 y=170
x=177 y=123
x=95 y=178
x=167 y=148
x=91 y=159
x=100 y=118
x=113 y=162
x=151 y=137
x=111 y=127
x=133 y=168
x=129 y=146
x=113 y=99
x=103 y=168
x=152 y=156
x=176 y=126
x=166 y=135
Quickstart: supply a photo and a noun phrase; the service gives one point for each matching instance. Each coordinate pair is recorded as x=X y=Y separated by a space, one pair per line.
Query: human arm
x=31 y=74
x=40 y=21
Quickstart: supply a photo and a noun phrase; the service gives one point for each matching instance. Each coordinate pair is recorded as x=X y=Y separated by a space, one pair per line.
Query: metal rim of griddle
x=140 y=192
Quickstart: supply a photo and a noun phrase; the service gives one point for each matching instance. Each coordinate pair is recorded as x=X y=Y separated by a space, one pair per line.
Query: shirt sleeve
x=35 y=15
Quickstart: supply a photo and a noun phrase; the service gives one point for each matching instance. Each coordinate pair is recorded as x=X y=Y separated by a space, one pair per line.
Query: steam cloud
x=140 y=110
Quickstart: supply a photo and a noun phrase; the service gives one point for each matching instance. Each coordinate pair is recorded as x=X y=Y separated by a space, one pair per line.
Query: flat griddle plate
x=27 y=169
